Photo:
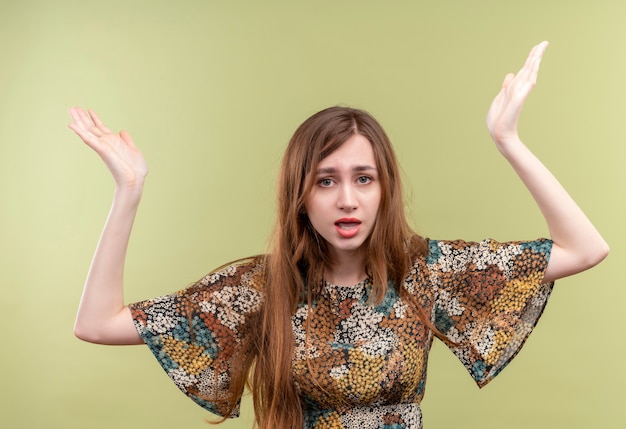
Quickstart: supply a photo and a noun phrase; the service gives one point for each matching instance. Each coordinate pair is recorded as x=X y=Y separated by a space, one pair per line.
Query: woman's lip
x=347 y=220
x=348 y=227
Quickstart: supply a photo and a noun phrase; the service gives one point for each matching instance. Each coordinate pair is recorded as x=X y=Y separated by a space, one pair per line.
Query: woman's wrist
x=129 y=193
x=510 y=147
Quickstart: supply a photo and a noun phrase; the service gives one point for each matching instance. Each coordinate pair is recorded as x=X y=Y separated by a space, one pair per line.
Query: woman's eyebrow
x=332 y=170
x=364 y=168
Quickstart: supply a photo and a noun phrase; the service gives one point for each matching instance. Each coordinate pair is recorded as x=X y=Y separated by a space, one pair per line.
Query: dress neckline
x=360 y=284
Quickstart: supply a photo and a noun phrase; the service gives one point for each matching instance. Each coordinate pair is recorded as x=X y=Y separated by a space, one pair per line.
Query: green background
x=211 y=92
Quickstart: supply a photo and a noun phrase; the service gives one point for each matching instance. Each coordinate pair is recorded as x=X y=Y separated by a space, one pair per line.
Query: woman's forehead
x=356 y=152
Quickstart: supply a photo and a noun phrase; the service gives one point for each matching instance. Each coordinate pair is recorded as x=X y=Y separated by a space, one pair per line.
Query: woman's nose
x=347 y=199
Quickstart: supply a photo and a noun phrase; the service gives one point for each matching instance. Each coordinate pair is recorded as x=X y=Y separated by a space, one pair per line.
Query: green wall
x=211 y=91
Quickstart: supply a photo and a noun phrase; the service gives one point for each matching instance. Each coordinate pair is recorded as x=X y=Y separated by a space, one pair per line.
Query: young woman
x=332 y=329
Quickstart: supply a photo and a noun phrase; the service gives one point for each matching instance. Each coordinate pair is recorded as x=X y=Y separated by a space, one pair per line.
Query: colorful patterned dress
x=358 y=365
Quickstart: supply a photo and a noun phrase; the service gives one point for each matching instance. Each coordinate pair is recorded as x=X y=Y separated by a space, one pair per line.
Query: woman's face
x=343 y=203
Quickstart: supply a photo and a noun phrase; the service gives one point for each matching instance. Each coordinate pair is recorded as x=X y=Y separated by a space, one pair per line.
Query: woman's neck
x=347 y=269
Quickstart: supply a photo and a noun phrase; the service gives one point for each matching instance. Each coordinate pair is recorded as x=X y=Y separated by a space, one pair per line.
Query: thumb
x=507 y=80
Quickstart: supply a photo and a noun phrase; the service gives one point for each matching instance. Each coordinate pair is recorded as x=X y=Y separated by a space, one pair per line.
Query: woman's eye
x=325 y=182
x=364 y=180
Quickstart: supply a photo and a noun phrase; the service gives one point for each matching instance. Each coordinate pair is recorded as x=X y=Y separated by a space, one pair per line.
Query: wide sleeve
x=201 y=336
x=488 y=297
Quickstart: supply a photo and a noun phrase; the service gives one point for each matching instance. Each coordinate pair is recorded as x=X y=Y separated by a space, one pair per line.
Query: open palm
x=119 y=153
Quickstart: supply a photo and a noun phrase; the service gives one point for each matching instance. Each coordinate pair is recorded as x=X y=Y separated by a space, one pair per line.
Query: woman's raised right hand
x=119 y=153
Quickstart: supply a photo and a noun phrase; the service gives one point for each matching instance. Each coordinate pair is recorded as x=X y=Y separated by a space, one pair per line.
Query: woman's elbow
x=566 y=262
x=116 y=330
x=90 y=332
x=85 y=334
x=601 y=251
x=593 y=255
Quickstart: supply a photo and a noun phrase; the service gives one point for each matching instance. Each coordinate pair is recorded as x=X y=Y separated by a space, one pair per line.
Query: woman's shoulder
x=246 y=272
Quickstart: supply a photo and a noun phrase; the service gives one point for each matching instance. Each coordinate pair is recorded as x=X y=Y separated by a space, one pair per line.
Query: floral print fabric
x=357 y=364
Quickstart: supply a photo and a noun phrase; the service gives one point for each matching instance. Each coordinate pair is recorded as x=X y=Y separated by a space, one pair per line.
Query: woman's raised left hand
x=505 y=109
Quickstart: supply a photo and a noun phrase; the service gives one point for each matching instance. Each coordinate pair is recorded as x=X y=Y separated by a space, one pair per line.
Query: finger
x=74 y=114
x=524 y=73
x=539 y=49
x=84 y=120
x=536 y=53
x=127 y=139
x=87 y=123
x=77 y=129
x=531 y=66
x=538 y=56
x=526 y=77
x=507 y=80
x=83 y=133
x=96 y=131
x=85 y=136
x=96 y=120
x=528 y=63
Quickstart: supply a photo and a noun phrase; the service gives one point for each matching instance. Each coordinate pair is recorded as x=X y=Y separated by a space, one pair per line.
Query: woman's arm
x=102 y=316
x=577 y=244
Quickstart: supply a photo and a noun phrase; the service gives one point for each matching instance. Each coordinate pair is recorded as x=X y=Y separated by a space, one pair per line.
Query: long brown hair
x=294 y=268
x=296 y=263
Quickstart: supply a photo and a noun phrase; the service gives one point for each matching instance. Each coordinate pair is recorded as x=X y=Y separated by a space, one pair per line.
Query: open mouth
x=347 y=225
x=348 y=228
